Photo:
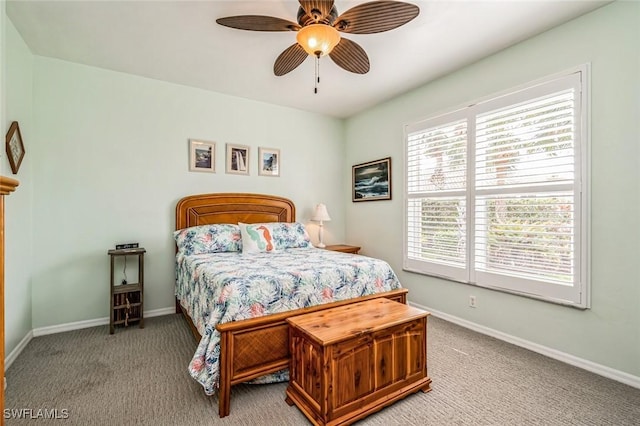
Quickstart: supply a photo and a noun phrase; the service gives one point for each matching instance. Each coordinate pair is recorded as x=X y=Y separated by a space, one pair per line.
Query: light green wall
x=110 y=161
x=18 y=96
x=107 y=160
x=608 y=333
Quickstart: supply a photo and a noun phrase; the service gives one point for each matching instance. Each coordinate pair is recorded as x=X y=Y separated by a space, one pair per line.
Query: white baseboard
x=61 y=328
x=17 y=350
x=602 y=370
x=160 y=312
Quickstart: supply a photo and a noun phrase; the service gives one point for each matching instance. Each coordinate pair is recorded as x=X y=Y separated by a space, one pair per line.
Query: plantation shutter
x=494 y=193
x=525 y=168
x=436 y=202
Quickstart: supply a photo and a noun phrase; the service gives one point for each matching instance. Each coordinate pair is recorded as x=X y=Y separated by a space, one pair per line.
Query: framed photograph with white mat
x=269 y=162
x=202 y=156
x=238 y=159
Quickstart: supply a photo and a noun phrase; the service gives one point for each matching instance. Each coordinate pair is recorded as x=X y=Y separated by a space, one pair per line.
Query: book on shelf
x=126 y=246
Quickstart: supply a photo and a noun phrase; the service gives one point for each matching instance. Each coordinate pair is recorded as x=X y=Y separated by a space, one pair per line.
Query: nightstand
x=126 y=304
x=343 y=248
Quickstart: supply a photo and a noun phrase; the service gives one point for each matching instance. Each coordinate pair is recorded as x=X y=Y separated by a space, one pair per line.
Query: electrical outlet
x=472 y=302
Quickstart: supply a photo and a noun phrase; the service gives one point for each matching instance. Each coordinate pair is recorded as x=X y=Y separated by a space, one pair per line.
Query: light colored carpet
x=140 y=377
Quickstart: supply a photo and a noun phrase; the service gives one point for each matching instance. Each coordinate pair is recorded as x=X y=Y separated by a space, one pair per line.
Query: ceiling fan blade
x=323 y=8
x=289 y=60
x=376 y=17
x=350 y=56
x=258 y=23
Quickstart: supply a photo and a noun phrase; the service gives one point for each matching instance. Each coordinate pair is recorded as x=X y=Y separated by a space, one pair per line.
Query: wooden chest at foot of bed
x=351 y=361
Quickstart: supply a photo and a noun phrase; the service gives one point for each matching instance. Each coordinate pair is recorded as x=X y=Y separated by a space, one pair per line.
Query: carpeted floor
x=139 y=377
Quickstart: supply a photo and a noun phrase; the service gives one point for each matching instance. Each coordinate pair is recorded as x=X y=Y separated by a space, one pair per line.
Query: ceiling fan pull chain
x=315 y=90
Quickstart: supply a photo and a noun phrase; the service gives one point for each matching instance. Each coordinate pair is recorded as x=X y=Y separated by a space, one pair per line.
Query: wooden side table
x=343 y=248
x=126 y=304
x=350 y=361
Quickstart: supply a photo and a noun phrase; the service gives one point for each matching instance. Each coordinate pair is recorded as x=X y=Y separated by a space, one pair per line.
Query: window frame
x=578 y=294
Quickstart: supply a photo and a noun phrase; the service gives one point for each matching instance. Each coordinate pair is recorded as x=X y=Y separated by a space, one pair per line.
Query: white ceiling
x=179 y=42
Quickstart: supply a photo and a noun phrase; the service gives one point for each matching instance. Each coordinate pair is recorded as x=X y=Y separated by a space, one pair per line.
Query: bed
x=252 y=343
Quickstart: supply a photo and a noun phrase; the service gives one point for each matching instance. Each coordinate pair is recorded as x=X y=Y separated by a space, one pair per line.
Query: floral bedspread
x=221 y=287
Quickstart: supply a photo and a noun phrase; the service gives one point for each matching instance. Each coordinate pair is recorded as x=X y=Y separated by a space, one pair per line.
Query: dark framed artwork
x=14 y=147
x=372 y=180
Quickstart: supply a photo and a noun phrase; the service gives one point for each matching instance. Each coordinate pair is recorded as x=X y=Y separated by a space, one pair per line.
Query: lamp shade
x=318 y=39
x=321 y=214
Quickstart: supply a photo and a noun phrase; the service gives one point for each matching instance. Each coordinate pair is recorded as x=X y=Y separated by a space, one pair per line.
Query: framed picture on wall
x=238 y=159
x=202 y=156
x=372 y=180
x=269 y=162
x=14 y=147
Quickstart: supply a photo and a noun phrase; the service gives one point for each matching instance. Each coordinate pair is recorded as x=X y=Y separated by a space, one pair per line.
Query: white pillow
x=256 y=238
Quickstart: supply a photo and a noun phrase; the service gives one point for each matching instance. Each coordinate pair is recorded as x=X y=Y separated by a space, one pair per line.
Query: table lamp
x=321 y=215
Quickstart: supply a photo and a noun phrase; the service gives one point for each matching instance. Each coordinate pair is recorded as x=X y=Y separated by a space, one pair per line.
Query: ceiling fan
x=318 y=29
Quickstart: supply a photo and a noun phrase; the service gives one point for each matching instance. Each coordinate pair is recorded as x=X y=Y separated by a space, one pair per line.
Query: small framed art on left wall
x=14 y=147
x=202 y=156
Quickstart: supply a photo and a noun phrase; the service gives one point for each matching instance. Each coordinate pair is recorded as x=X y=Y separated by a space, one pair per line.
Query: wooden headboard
x=205 y=209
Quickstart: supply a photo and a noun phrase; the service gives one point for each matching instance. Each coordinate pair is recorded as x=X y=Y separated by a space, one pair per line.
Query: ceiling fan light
x=318 y=39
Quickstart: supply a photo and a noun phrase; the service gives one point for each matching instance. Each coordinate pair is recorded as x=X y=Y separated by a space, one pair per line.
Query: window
x=496 y=192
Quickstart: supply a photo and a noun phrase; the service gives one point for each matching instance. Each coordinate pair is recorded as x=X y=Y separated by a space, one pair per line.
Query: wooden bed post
x=226 y=362
x=7 y=185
